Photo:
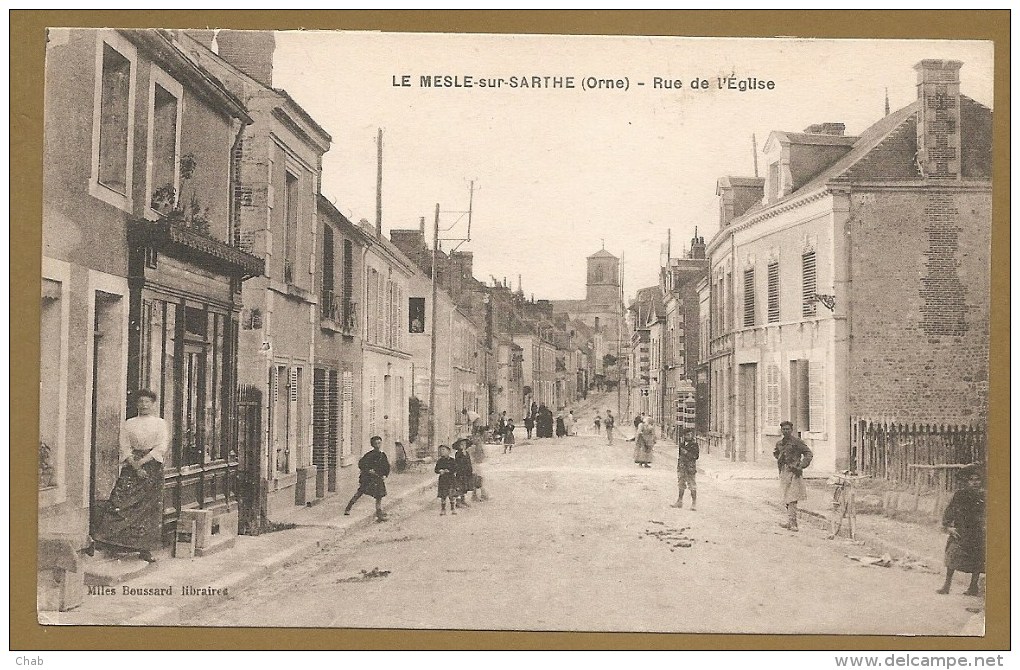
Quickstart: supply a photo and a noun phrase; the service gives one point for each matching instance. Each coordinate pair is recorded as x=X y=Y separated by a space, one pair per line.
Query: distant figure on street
x=561 y=426
x=534 y=410
x=598 y=423
x=476 y=456
x=964 y=520
x=610 y=424
x=502 y=425
x=568 y=422
x=446 y=469
x=375 y=468
x=687 y=468
x=508 y=436
x=463 y=470
x=529 y=424
x=544 y=422
x=644 y=441
x=792 y=456
x=473 y=421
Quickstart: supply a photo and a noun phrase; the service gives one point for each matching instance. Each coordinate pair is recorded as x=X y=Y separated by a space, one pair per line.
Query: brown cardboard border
x=27 y=44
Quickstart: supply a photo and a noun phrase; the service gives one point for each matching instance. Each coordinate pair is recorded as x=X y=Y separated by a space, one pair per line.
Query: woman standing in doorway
x=133 y=518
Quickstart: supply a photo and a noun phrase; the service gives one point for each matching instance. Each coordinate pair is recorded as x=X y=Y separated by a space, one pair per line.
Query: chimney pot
x=250 y=51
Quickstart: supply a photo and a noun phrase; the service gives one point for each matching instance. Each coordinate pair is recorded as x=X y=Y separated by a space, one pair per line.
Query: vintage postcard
x=514 y=332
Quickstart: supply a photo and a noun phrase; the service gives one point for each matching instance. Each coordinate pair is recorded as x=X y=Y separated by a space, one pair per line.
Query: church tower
x=603 y=278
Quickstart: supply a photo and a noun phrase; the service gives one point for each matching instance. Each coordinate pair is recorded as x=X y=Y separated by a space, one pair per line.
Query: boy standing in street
x=687 y=468
x=375 y=468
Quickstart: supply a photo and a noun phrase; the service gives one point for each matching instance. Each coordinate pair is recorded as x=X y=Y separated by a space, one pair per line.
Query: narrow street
x=575 y=538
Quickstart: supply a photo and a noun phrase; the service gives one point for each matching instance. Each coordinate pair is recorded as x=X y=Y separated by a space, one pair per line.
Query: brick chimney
x=203 y=37
x=737 y=195
x=697 y=247
x=250 y=51
x=828 y=128
x=938 y=121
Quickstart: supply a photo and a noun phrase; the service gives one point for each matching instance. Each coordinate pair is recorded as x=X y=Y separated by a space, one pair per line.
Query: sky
x=560 y=172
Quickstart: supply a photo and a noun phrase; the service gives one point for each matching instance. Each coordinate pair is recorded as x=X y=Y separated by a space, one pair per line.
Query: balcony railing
x=342 y=312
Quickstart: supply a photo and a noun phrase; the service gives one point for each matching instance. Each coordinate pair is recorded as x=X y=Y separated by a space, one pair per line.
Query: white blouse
x=144 y=433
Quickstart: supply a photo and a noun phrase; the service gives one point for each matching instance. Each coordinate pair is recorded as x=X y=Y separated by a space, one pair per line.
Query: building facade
x=280 y=167
x=141 y=276
x=337 y=375
x=825 y=310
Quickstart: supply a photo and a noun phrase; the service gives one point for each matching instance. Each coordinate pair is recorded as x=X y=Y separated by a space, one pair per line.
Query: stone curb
x=173 y=615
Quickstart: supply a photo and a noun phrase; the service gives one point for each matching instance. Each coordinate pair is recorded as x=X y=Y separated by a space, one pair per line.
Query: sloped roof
x=602 y=253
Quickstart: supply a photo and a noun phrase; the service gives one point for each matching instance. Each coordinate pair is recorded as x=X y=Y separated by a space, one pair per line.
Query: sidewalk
x=227 y=572
x=881 y=535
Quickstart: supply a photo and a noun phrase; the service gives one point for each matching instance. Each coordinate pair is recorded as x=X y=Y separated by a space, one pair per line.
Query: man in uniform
x=687 y=468
x=792 y=456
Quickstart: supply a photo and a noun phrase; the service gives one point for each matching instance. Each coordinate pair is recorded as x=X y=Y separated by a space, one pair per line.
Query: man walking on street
x=610 y=423
x=792 y=456
x=687 y=468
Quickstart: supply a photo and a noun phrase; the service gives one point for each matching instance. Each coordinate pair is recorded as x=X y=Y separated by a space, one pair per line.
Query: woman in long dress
x=133 y=517
x=644 y=441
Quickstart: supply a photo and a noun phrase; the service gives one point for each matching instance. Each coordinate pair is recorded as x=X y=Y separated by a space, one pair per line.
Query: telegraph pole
x=619 y=341
x=432 y=353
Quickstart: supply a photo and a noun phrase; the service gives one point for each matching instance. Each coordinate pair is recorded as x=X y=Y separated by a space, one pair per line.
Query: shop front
x=185 y=301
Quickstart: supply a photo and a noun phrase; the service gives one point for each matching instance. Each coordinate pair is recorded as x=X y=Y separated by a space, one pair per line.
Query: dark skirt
x=966 y=554
x=447 y=486
x=465 y=482
x=133 y=516
x=372 y=485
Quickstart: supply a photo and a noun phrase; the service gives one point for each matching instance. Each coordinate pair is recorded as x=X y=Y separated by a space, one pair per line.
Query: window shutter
x=748 y=298
x=772 y=396
x=274 y=381
x=293 y=385
x=816 y=396
x=388 y=317
x=348 y=413
x=335 y=418
x=371 y=406
x=380 y=314
x=808 y=283
x=320 y=416
x=773 y=296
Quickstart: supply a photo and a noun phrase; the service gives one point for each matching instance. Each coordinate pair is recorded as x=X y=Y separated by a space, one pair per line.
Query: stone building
x=141 y=273
x=852 y=283
x=337 y=376
x=280 y=165
x=602 y=310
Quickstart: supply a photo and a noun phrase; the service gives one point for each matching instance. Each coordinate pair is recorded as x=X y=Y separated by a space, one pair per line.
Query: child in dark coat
x=508 y=436
x=464 y=471
x=446 y=469
x=964 y=520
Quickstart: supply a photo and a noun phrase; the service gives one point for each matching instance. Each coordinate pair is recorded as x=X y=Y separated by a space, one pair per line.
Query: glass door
x=193 y=421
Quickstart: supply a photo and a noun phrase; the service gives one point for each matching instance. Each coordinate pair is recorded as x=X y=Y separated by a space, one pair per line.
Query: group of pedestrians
x=458 y=474
x=540 y=422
